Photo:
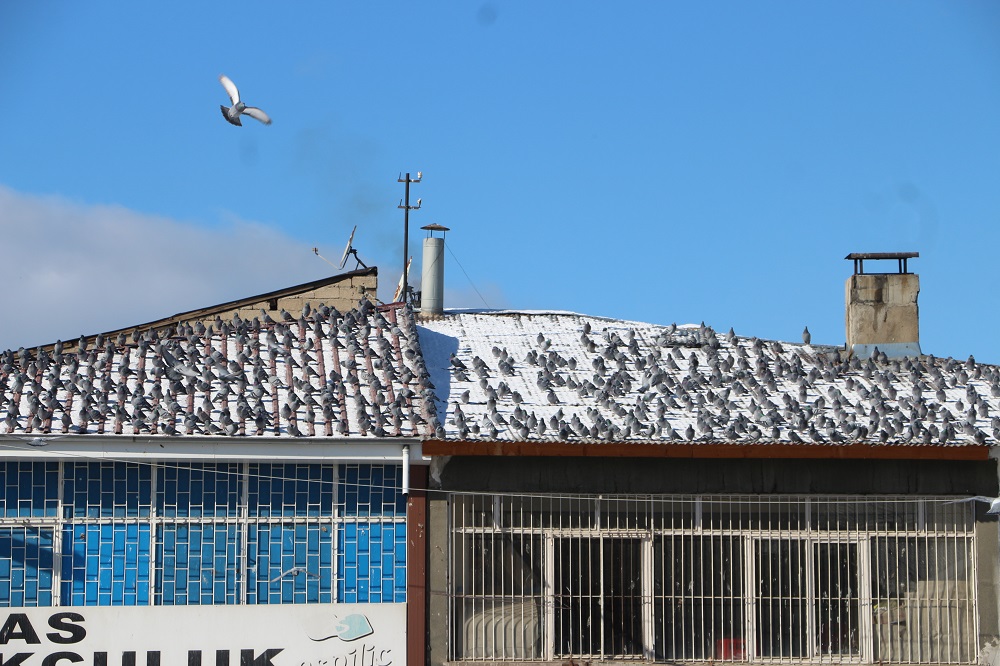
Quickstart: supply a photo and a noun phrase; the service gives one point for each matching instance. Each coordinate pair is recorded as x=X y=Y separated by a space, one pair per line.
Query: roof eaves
x=646 y=449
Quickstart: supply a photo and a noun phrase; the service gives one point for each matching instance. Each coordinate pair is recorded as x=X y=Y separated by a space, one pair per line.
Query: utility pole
x=405 y=205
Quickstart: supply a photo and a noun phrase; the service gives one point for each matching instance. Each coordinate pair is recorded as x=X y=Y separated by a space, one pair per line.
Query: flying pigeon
x=232 y=113
x=994 y=503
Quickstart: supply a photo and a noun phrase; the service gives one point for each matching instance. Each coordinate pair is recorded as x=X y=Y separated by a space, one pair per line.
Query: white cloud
x=69 y=268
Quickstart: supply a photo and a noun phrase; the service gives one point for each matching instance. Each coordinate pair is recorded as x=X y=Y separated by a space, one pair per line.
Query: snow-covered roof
x=508 y=376
x=320 y=373
x=479 y=376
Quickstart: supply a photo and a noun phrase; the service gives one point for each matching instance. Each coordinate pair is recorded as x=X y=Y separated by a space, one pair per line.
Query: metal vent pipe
x=432 y=272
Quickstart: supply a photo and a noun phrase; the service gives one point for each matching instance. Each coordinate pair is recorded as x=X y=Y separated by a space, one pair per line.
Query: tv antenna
x=348 y=251
x=405 y=205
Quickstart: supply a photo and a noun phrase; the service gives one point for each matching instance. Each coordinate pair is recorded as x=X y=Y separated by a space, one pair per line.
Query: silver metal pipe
x=406 y=469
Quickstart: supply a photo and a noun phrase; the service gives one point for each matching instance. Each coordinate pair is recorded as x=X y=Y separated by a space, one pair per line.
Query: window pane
x=625 y=514
x=921 y=596
x=371 y=563
x=836 y=590
x=290 y=490
x=673 y=513
x=577 y=597
x=105 y=565
x=197 y=564
x=289 y=564
x=28 y=489
x=26 y=558
x=781 y=598
x=107 y=490
x=497 y=588
x=753 y=513
x=473 y=511
x=371 y=490
x=195 y=491
x=622 y=597
x=598 y=585
x=698 y=597
x=843 y=513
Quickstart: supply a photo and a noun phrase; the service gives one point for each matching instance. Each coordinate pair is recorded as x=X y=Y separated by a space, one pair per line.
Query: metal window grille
x=112 y=533
x=712 y=578
x=30 y=494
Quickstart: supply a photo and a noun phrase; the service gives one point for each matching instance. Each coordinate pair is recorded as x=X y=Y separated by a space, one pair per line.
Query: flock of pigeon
x=323 y=373
x=505 y=376
x=564 y=377
x=606 y=381
x=501 y=376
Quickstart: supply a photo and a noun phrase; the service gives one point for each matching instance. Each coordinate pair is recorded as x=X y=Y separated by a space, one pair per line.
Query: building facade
x=118 y=533
x=717 y=559
x=235 y=492
x=367 y=486
x=615 y=491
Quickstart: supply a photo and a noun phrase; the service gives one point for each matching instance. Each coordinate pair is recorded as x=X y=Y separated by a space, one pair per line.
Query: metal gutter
x=213 y=449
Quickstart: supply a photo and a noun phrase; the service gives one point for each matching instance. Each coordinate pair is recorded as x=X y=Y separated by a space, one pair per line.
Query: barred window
x=712 y=578
x=129 y=534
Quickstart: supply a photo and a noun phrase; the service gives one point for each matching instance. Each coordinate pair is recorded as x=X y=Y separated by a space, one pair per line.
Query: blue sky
x=654 y=161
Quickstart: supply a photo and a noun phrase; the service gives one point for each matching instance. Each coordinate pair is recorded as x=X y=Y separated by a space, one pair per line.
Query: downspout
x=406 y=469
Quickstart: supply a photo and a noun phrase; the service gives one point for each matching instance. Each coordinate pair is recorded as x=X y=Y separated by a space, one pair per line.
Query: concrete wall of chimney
x=882 y=309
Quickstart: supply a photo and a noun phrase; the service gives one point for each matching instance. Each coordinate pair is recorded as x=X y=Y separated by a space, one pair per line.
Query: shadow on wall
x=437 y=349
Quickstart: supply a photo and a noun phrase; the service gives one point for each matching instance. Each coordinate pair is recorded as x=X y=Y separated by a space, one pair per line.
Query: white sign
x=273 y=635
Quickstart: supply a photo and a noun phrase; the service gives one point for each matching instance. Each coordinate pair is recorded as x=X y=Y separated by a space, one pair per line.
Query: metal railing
x=712 y=578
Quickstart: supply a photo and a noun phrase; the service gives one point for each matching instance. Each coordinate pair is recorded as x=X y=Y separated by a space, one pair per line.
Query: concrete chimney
x=882 y=307
x=432 y=272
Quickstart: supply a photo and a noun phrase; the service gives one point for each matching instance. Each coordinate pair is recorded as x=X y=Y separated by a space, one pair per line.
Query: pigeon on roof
x=232 y=379
x=238 y=108
x=613 y=380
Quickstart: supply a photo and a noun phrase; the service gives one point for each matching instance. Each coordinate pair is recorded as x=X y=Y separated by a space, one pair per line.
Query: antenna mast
x=405 y=205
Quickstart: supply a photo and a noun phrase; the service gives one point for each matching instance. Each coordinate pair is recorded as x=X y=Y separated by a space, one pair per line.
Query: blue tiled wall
x=106 y=565
x=371 y=559
x=198 y=564
x=371 y=490
x=26 y=567
x=289 y=564
x=296 y=516
x=29 y=489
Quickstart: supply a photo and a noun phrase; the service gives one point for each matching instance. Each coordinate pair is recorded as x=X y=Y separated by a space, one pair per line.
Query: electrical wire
x=466 y=275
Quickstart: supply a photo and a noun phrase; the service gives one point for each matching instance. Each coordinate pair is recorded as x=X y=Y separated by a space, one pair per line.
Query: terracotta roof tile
x=322 y=373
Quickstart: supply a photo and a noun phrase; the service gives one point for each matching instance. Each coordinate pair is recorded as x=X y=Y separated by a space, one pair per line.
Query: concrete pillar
x=439 y=628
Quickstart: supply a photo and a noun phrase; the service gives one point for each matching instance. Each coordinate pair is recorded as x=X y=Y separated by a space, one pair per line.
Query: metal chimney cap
x=435 y=227
x=859 y=259
x=882 y=255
